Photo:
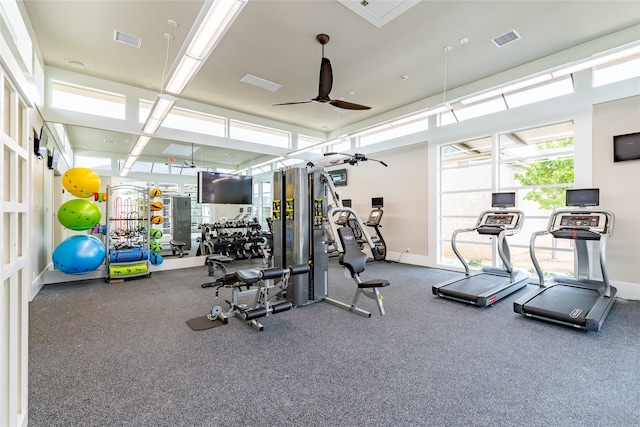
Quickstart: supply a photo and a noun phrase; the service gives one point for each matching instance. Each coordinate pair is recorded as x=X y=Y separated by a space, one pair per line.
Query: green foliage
x=475 y=262
x=548 y=172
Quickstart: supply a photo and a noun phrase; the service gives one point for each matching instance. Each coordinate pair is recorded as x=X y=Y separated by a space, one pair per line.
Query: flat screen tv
x=377 y=202
x=503 y=200
x=626 y=147
x=223 y=188
x=339 y=177
x=583 y=197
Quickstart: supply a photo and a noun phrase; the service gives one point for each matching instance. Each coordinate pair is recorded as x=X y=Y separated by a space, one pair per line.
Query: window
x=95 y=163
x=535 y=163
x=86 y=100
x=617 y=71
x=188 y=120
x=394 y=129
x=308 y=141
x=563 y=86
x=258 y=134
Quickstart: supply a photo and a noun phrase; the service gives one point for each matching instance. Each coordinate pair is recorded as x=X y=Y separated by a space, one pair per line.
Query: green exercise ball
x=79 y=214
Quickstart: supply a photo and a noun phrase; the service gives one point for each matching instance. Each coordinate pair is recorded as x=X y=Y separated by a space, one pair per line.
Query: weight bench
x=214 y=263
x=177 y=247
x=354 y=261
x=269 y=295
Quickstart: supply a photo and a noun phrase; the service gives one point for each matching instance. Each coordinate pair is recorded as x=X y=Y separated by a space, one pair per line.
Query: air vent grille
x=127 y=39
x=506 y=38
x=260 y=82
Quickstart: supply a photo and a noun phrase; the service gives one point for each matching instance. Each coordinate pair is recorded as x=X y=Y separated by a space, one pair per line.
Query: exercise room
x=323 y=212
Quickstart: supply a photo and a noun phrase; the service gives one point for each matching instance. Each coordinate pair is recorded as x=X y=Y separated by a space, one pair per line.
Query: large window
x=87 y=100
x=537 y=164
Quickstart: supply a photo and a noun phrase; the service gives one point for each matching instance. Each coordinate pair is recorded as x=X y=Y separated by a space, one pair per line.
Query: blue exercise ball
x=79 y=254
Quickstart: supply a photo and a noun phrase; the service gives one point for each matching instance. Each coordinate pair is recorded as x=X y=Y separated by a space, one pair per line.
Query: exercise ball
x=155 y=258
x=79 y=214
x=156 y=206
x=156 y=192
x=81 y=182
x=79 y=254
x=155 y=233
x=156 y=219
x=155 y=246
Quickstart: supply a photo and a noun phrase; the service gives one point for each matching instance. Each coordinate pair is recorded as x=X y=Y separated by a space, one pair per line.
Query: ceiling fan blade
x=292 y=103
x=326 y=80
x=348 y=105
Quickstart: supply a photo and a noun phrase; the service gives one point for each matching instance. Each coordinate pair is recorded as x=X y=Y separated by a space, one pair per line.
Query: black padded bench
x=354 y=261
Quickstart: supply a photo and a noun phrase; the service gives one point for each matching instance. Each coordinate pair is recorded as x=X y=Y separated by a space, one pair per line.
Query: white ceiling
x=275 y=40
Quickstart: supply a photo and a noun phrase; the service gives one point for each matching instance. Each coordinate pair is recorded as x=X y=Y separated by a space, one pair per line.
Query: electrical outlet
x=408 y=250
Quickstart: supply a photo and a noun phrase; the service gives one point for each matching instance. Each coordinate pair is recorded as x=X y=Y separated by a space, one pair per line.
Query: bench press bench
x=268 y=295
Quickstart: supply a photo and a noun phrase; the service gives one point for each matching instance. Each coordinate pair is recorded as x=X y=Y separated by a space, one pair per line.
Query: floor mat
x=201 y=323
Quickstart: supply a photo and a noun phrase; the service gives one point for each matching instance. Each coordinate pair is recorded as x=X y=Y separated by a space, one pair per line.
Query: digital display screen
x=499 y=220
x=580 y=221
x=583 y=197
x=503 y=200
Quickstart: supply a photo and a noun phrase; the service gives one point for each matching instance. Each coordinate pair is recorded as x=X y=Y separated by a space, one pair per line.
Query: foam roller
x=299 y=269
x=254 y=314
x=277 y=308
x=272 y=273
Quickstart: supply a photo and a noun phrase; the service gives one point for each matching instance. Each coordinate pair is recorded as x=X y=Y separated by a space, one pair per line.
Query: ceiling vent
x=260 y=82
x=506 y=38
x=127 y=39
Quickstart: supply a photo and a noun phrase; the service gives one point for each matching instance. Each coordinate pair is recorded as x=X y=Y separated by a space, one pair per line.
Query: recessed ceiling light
x=76 y=64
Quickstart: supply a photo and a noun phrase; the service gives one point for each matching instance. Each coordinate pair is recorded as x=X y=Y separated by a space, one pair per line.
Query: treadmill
x=489 y=284
x=579 y=301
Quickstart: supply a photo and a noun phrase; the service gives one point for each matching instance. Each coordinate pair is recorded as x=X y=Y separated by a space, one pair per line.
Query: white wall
x=403 y=185
x=619 y=185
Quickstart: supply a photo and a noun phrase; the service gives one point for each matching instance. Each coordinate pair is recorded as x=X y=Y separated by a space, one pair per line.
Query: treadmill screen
x=580 y=221
x=499 y=219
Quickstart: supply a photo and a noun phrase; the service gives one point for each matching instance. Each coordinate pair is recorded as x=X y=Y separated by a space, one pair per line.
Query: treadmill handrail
x=604 y=238
x=534 y=259
x=501 y=237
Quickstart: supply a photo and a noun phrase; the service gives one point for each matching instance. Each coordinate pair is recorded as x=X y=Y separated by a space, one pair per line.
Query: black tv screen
x=626 y=147
x=503 y=200
x=377 y=202
x=583 y=197
x=215 y=187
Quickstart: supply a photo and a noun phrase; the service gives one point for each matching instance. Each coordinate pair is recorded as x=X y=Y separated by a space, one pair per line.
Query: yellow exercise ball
x=81 y=182
x=156 y=192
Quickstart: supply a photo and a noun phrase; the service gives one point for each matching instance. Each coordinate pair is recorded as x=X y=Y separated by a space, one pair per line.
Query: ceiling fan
x=326 y=82
x=190 y=163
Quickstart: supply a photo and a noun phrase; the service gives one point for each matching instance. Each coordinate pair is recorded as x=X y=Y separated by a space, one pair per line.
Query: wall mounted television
x=339 y=177
x=503 y=200
x=626 y=147
x=583 y=197
x=223 y=188
x=377 y=202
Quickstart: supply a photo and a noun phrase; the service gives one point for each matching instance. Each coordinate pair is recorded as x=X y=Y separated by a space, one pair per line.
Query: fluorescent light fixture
x=213 y=21
x=507 y=88
x=314 y=147
x=183 y=73
x=610 y=56
x=142 y=142
x=159 y=111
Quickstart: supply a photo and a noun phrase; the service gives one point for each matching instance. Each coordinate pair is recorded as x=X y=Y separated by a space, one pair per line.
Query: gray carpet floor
x=122 y=354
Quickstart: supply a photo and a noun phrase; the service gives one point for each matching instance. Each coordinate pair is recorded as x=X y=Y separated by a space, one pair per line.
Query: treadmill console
x=494 y=222
x=578 y=225
x=374 y=218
